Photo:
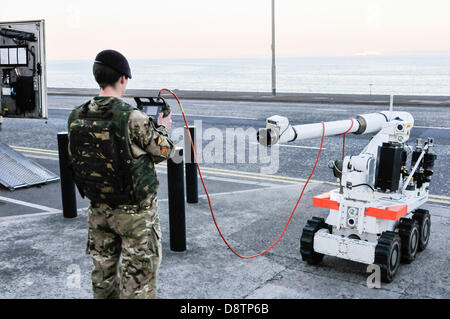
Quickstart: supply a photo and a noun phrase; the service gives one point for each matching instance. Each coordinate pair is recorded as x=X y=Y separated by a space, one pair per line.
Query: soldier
x=114 y=149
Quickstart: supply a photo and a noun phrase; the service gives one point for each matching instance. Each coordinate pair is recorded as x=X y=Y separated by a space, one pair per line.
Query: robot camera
x=275 y=130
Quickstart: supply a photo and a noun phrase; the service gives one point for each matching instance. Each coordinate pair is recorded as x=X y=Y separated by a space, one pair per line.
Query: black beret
x=114 y=60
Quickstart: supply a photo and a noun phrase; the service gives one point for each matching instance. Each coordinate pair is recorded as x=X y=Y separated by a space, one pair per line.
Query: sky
x=236 y=28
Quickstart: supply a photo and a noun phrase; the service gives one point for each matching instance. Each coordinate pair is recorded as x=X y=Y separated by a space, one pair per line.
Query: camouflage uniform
x=131 y=230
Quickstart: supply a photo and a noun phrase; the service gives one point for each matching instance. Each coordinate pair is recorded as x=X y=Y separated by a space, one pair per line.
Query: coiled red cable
x=209 y=198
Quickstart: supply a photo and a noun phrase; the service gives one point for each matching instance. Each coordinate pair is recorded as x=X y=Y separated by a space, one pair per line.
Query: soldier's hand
x=165 y=121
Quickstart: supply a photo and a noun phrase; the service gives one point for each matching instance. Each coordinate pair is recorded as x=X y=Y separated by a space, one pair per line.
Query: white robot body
x=375 y=215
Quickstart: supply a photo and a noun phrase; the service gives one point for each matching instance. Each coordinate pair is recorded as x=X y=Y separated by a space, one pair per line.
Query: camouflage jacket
x=141 y=140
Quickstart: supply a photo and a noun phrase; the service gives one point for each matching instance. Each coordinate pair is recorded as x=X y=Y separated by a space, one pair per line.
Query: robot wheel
x=388 y=255
x=307 y=240
x=423 y=218
x=409 y=232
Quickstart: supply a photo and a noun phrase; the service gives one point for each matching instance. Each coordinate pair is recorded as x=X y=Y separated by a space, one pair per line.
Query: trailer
x=23 y=95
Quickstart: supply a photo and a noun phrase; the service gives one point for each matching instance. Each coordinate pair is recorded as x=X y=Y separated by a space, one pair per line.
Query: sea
x=427 y=74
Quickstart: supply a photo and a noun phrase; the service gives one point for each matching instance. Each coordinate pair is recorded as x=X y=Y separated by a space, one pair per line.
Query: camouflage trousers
x=130 y=233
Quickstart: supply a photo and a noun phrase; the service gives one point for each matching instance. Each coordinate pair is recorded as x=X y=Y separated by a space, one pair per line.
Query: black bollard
x=68 y=194
x=191 y=168
x=177 y=214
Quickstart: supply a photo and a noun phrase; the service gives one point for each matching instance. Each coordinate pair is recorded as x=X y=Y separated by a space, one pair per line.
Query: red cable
x=209 y=198
x=344 y=139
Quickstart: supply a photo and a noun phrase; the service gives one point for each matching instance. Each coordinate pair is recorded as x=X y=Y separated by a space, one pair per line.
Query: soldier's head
x=112 y=71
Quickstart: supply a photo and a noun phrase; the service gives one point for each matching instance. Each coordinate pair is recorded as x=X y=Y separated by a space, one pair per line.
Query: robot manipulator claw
x=277 y=130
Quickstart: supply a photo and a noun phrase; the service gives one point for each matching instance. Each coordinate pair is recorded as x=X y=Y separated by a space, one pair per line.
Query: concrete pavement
x=40 y=252
x=40 y=255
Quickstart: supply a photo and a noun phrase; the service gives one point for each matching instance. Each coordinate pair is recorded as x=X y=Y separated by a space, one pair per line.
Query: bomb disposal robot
x=375 y=215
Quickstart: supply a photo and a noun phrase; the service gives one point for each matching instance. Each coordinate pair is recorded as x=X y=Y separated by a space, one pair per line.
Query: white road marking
x=238 y=192
x=37 y=214
x=218 y=116
x=41 y=157
x=440 y=197
x=229 y=180
x=295 y=146
x=60 y=108
x=429 y=102
x=55 y=212
x=268 y=188
x=193 y=115
x=434 y=198
x=330 y=110
x=28 y=215
x=303 y=147
x=433 y=127
x=45 y=151
x=27 y=204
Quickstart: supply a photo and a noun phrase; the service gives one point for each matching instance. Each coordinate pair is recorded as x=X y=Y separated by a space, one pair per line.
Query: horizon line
x=359 y=55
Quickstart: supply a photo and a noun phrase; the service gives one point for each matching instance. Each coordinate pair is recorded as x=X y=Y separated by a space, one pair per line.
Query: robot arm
x=381 y=165
x=279 y=130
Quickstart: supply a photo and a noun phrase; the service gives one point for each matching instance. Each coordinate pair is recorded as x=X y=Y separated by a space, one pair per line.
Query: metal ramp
x=17 y=171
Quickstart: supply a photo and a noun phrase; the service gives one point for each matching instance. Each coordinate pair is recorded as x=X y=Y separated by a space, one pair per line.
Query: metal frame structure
x=35 y=68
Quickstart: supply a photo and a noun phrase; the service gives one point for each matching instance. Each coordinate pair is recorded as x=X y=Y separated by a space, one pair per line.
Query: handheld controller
x=153 y=106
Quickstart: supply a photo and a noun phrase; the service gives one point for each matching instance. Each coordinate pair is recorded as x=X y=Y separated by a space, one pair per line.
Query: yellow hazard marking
x=235 y=173
x=34 y=149
x=160 y=140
